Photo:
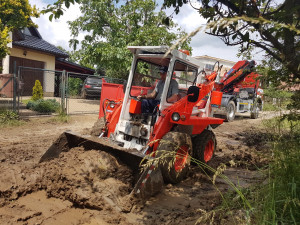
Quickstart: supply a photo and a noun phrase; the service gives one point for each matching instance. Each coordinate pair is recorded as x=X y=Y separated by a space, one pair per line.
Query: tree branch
x=275 y=55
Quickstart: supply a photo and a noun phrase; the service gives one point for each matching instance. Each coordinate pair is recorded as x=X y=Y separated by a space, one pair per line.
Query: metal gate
x=75 y=101
x=65 y=87
x=51 y=81
x=8 y=100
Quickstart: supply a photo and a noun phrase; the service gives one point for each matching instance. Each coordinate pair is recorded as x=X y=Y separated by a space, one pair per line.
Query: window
x=209 y=67
x=26 y=31
x=185 y=76
x=145 y=77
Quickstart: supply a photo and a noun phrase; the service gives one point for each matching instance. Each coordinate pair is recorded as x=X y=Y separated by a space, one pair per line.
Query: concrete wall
x=49 y=61
x=5 y=64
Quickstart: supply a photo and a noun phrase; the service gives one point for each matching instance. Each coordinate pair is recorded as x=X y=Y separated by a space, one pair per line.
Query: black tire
x=204 y=146
x=255 y=110
x=174 y=169
x=230 y=111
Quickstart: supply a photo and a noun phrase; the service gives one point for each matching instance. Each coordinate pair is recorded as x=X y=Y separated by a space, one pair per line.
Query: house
x=28 y=49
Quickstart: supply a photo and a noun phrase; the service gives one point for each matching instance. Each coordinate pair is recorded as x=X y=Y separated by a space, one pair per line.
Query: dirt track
x=90 y=187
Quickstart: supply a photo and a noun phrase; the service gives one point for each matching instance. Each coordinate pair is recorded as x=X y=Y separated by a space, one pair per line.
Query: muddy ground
x=91 y=187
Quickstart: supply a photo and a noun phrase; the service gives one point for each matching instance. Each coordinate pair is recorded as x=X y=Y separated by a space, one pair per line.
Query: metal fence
x=50 y=81
x=7 y=101
x=76 y=103
x=64 y=87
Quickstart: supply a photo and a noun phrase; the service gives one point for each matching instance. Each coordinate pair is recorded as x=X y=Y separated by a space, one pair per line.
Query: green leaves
x=14 y=15
x=111 y=27
x=270 y=25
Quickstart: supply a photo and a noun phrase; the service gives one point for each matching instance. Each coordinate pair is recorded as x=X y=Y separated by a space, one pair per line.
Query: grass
x=61 y=118
x=269 y=107
x=25 y=101
x=276 y=201
x=9 y=118
x=208 y=216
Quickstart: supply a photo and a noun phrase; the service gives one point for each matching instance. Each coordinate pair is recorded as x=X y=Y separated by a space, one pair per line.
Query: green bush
x=44 y=106
x=37 y=91
x=9 y=118
x=8 y=115
x=74 y=86
x=282 y=99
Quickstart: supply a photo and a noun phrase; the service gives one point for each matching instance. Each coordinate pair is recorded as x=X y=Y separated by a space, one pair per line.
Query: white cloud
x=57 y=32
x=203 y=44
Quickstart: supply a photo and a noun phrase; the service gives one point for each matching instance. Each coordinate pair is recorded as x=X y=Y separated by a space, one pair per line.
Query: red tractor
x=183 y=127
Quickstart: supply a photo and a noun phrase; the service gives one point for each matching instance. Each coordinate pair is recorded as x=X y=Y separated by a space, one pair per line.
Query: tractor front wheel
x=174 y=153
x=204 y=146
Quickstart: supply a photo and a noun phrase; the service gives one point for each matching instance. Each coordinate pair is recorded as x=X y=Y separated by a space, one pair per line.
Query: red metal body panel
x=240 y=76
x=135 y=107
x=110 y=91
x=184 y=107
x=233 y=70
x=250 y=81
x=113 y=119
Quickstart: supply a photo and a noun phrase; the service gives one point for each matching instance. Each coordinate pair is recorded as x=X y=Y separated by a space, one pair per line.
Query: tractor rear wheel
x=173 y=152
x=204 y=146
x=230 y=111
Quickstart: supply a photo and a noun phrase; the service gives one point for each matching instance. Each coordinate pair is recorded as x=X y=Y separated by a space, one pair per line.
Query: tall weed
x=277 y=202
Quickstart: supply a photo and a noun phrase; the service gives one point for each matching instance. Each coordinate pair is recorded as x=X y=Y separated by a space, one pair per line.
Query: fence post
x=19 y=86
x=67 y=92
x=15 y=87
x=63 y=91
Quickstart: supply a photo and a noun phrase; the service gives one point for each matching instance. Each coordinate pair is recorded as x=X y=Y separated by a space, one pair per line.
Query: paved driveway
x=76 y=106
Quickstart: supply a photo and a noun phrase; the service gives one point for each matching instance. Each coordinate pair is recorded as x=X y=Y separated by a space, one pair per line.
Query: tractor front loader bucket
x=148 y=182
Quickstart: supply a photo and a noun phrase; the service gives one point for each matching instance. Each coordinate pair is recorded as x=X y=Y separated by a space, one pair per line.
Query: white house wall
x=227 y=65
x=49 y=61
x=5 y=65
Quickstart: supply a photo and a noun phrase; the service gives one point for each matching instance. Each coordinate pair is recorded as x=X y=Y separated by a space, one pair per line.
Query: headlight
x=175 y=116
x=112 y=105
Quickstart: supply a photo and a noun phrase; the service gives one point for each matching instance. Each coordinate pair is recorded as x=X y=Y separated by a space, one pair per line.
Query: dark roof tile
x=40 y=45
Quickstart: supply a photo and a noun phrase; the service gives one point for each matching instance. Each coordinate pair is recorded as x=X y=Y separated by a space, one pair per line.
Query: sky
x=58 y=33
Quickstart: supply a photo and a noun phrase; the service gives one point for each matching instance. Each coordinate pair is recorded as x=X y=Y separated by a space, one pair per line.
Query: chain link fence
x=71 y=92
x=7 y=82
x=84 y=92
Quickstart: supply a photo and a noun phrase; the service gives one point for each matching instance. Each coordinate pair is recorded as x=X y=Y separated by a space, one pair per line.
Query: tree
x=37 y=91
x=57 y=8
x=112 y=26
x=271 y=25
x=13 y=15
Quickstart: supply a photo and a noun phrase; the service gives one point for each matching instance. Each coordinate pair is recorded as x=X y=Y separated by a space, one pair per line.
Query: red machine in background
x=241 y=91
